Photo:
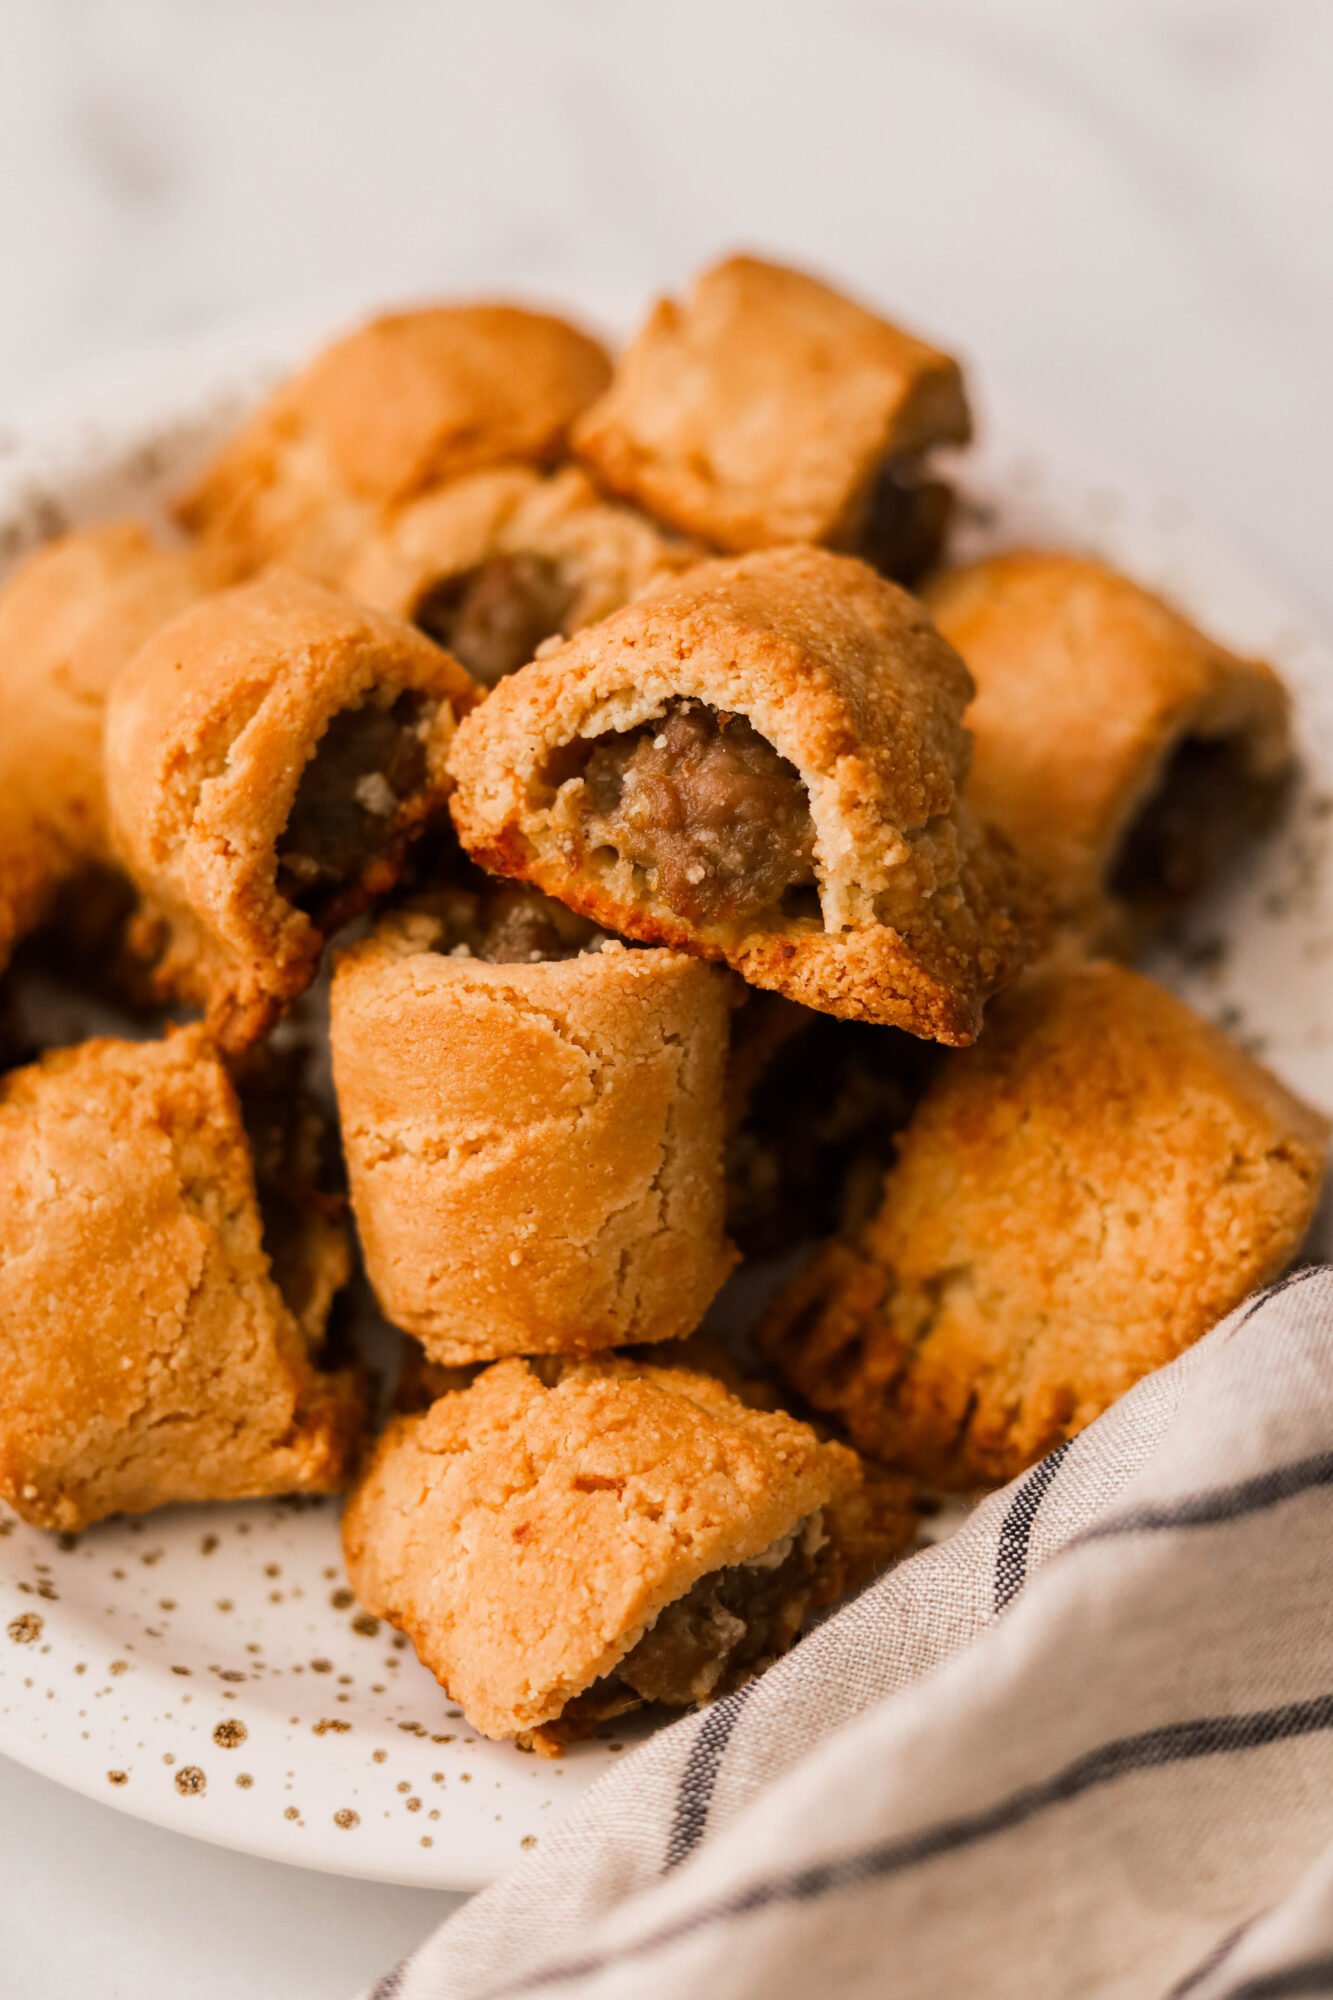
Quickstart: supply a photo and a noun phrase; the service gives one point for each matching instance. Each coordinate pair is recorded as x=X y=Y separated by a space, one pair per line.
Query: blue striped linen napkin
x=1084 y=1747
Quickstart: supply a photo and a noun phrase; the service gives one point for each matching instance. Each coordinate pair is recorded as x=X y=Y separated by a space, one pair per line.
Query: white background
x=1121 y=208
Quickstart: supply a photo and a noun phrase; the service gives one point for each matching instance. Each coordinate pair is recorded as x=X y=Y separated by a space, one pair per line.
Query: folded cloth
x=1084 y=1747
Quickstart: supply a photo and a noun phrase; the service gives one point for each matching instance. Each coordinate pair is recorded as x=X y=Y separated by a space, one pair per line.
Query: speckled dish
x=207 y=1668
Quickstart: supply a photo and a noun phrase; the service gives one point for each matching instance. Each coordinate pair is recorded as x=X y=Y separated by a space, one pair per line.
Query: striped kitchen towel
x=1084 y=1747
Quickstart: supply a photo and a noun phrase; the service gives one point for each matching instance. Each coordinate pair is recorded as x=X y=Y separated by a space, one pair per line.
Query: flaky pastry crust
x=535 y=1150
x=1074 y=1202
x=1090 y=692
x=211 y=733
x=146 y=1353
x=70 y=617
x=761 y=409
x=525 y=1537
x=405 y=402
x=912 y=916
x=605 y=554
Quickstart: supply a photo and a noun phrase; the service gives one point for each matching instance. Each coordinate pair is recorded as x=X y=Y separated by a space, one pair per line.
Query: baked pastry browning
x=761 y=763
x=495 y=565
x=270 y=754
x=866 y=1527
x=157 y=1326
x=1119 y=748
x=561 y=1554
x=70 y=617
x=1075 y=1201
x=401 y=404
x=768 y=408
x=533 y=1124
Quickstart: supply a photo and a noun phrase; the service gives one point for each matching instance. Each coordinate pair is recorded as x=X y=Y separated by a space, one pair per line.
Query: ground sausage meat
x=728 y=1627
x=507 y=923
x=906 y=521
x=494 y=618
x=292 y=1152
x=730 y=1624
x=345 y=814
x=1204 y=803
x=707 y=807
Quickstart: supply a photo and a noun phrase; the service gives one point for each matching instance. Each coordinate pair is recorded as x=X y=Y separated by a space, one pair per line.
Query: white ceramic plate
x=206 y=1668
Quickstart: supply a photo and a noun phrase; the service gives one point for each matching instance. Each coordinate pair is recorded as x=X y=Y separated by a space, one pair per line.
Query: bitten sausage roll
x=768 y=408
x=532 y=1118
x=1120 y=749
x=398 y=405
x=1075 y=1201
x=159 y=1317
x=494 y=565
x=270 y=754
x=70 y=618
x=762 y=763
x=559 y=1555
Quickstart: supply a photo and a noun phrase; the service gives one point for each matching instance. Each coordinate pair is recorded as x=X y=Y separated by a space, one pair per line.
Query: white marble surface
x=1124 y=209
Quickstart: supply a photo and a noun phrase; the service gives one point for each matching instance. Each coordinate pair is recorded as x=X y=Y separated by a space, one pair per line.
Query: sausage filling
x=507 y=923
x=494 y=618
x=729 y=1626
x=291 y=1151
x=708 y=809
x=808 y=1153
x=1204 y=804
x=906 y=520
x=347 y=814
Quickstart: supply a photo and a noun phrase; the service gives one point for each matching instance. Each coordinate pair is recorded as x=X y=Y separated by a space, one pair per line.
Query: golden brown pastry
x=1075 y=1201
x=157 y=1326
x=562 y=1554
x=494 y=565
x=867 y=1526
x=532 y=1118
x=768 y=408
x=70 y=617
x=398 y=405
x=1120 y=749
x=270 y=754
x=762 y=763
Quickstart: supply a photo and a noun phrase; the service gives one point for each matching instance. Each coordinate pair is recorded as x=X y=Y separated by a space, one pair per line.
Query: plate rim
x=95 y=416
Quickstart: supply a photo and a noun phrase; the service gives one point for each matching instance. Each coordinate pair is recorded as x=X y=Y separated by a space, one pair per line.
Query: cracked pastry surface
x=494 y=565
x=533 y=1122
x=148 y=1350
x=1117 y=746
x=70 y=617
x=400 y=404
x=761 y=763
x=1077 y=1199
x=866 y=1527
x=768 y=408
x=270 y=755
x=629 y=1533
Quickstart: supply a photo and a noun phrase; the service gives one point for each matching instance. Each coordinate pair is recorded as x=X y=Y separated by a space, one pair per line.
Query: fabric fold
x=1085 y=1746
